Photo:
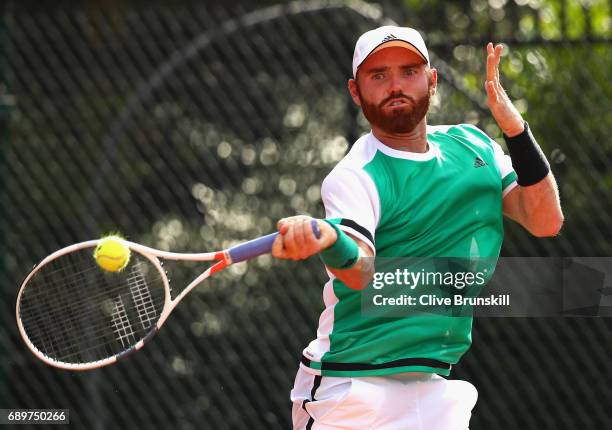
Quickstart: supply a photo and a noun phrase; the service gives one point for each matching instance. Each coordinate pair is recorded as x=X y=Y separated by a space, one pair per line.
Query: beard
x=399 y=120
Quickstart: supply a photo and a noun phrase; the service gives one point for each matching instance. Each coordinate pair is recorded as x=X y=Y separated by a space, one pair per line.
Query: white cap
x=384 y=37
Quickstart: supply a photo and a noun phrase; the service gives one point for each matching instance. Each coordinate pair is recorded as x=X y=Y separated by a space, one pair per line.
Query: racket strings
x=121 y=324
x=144 y=303
x=121 y=327
x=52 y=274
x=73 y=311
x=119 y=320
x=50 y=310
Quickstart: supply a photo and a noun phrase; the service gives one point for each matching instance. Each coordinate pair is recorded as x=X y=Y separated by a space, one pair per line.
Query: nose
x=394 y=84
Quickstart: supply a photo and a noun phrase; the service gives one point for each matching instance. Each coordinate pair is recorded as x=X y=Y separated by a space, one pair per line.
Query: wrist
x=515 y=130
x=343 y=253
x=528 y=160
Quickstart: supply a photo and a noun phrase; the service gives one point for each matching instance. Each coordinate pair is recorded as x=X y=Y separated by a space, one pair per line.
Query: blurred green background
x=194 y=125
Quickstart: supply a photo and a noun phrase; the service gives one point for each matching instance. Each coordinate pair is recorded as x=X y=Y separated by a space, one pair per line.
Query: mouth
x=396 y=102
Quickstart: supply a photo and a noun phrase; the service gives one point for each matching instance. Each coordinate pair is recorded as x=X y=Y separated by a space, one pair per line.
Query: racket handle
x=262 y=245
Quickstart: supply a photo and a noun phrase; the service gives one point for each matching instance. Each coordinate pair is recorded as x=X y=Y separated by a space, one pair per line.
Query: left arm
x=536 y=207
x=534 y=204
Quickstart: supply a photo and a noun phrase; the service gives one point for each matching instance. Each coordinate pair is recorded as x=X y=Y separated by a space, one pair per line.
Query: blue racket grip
x=261 y=245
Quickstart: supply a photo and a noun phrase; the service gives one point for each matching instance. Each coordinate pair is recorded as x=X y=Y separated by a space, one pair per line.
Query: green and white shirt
x=446 y=202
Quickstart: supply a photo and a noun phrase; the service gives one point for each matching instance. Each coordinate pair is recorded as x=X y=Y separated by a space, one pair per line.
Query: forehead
x=390 y=57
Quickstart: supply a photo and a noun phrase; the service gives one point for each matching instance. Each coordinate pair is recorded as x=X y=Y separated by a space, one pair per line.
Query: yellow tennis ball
x=112 y=254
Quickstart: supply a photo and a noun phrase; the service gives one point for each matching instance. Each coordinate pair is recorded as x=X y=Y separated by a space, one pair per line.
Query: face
x=393 y=88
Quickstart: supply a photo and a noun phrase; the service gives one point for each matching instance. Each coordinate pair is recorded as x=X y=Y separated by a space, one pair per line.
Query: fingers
x=296 y=240
x=492 y=84
x=504 y=112
x=289 y=241
x=490 y=62
x=498 y=52
x=299 y=236
x=491 y=91
x=493 y=60
x=297 y=244
x=277 y=247
x=309 y=233
x=282 y=225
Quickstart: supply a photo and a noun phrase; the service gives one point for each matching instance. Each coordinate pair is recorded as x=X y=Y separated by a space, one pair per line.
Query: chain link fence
x=196 y=126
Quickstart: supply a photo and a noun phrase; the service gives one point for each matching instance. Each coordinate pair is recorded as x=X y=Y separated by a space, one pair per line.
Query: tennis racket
x=74 y=315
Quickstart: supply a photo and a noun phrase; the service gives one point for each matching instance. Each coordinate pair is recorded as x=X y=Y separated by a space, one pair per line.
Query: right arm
x=358 y=276
x=297 y=241
x=351 y=199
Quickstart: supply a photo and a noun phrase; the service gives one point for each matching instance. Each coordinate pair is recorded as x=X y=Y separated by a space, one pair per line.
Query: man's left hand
x=505 y=113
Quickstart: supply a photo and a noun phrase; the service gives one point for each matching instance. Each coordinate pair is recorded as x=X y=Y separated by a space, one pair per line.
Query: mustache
x=394 y=97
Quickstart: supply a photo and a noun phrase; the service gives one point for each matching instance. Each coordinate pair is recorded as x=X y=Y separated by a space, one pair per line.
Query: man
x=408 y=189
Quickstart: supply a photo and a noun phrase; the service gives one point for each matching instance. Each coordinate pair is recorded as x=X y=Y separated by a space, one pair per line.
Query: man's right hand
x=297 y=241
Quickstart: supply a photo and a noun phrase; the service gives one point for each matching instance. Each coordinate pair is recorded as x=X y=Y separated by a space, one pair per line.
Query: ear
x=433 y=82
x=352 y=87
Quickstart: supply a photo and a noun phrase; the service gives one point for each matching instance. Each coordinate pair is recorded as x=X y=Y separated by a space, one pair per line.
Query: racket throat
x=225 y=259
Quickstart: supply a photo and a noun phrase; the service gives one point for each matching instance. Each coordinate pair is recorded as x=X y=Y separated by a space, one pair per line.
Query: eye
x=378 y=76
x=409 y=72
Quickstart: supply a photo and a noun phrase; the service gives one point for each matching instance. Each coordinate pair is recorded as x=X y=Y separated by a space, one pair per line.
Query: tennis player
x=408 y=189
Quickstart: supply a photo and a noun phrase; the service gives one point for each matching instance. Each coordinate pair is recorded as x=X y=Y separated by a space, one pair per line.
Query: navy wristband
x=528 y=160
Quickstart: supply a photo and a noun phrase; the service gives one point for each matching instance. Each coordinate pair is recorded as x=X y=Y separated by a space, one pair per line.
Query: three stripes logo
x=479 y=162
x=388 y=38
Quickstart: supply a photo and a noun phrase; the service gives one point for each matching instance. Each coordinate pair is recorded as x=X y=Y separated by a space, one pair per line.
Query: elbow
x=354 y=279
x=550 y=228
x=359 y=282
x=357 y=285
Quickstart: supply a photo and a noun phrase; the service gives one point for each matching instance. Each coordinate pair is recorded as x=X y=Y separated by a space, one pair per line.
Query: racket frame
x=242 y=252
x=222 y=259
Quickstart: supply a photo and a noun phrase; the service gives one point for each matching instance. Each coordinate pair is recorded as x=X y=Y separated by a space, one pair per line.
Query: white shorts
x=408 y=401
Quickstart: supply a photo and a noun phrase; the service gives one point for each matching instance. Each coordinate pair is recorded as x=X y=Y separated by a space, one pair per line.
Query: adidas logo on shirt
x=479 y=162
x=388 y=38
